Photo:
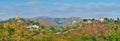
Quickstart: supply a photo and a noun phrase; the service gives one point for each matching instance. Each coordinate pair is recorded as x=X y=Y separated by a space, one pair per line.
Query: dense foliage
x=16 y=30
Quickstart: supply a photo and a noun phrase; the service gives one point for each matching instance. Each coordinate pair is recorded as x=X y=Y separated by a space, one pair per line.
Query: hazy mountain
x=71 y=21
x=49 y=21
x=44 y=22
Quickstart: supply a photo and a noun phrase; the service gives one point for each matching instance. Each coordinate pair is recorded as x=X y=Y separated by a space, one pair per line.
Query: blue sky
x=60 y=8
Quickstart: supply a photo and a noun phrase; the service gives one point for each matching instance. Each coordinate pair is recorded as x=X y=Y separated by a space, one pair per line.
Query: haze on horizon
x=60 y=8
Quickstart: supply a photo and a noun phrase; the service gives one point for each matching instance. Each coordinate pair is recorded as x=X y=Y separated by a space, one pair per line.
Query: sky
x=59 y=8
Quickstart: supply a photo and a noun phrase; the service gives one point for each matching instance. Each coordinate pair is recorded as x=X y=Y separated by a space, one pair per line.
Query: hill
x=49 y=21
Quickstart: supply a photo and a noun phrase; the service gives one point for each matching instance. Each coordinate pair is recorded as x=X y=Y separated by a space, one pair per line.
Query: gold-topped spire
x=17 y=17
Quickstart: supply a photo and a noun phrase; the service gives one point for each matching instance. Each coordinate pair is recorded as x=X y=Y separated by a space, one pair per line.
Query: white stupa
x=101 y=19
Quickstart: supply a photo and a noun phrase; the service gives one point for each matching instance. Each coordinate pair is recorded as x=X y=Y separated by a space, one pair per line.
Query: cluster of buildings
x=101 y=19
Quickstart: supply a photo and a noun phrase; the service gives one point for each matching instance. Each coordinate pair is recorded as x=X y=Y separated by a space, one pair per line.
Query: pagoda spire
x=17 y=16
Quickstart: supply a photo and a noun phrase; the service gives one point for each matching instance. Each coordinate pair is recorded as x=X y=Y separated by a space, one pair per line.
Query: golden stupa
x=16 y=17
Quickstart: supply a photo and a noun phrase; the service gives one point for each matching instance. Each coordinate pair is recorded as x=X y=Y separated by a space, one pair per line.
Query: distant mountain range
x=49 y=21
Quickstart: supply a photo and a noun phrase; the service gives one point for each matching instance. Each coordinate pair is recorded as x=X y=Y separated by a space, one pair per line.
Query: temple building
x=16 y=17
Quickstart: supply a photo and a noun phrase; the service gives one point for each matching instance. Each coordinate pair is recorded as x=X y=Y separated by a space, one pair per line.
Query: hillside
x=21 y=29
x=44 y=22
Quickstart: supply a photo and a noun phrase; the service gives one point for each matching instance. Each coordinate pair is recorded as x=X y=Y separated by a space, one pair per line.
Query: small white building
x=57 y=33
x=89 y=21
x=73 y=22
x=33 y=26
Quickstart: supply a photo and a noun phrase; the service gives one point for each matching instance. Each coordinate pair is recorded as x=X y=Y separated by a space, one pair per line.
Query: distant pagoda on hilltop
x=16 y=17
